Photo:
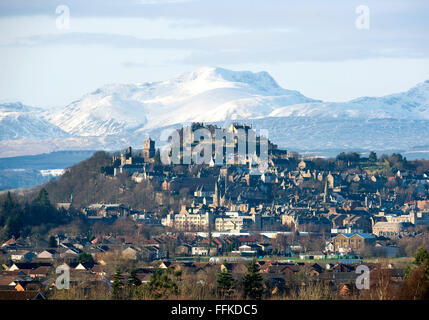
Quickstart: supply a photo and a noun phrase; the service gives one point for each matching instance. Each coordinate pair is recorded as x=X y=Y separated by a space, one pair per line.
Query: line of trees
x=17 y=219
x=168 y=284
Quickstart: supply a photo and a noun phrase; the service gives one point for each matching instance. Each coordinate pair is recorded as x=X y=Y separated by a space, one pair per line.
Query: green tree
x=161 y=285
x=407 y=271
x=416 y=285
x=349 y=157
x=421 y=260
x=18 y=220
x=372 y=156
x=10 y=205
x=133 y=280
x=252 y=282
x=117 y=284
x=14 y=226
x=43 y=198
x=11 y=217
x=421 y=256
x=52 y=242
x=225 y=282
x=85 y=258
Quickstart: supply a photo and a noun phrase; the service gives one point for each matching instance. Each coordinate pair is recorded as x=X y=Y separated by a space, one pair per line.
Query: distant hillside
x=85 y=182
x=53 y=160
x=21 y=122
x=25 y=171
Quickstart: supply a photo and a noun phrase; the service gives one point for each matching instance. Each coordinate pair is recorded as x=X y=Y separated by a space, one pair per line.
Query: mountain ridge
x=20 y=121
x=207 y=94
x=117 y=114
x=217 y=94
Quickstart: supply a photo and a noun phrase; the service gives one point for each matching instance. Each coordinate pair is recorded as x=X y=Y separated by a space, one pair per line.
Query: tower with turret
x=148 y=149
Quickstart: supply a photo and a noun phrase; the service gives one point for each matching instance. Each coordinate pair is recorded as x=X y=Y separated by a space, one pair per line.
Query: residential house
x=48 y=254
x=346 y=242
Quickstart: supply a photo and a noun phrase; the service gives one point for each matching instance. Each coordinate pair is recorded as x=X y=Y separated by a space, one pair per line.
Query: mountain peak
x=205 y=94
x=14 y=107
x=7 y=105
x=257 y=80
x=17 y=121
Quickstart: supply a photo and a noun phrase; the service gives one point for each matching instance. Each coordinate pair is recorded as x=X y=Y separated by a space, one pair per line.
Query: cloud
x=256 y=47
x=109 y=38
x=253 y=14
x=161 y=2
x=253 y=30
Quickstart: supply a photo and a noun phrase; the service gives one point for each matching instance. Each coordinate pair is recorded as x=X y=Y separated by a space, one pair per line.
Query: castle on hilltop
x=131 y=162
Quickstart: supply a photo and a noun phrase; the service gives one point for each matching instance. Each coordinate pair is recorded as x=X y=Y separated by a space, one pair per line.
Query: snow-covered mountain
x=412 y=104
x=21 y=122
x=207 y=94
x=216 y=94
x=118 y=115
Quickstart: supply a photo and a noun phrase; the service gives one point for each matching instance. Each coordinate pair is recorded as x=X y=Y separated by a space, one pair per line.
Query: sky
x=53 y=52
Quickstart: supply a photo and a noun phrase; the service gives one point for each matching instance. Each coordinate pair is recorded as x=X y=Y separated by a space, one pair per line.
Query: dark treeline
x=391 y=164
x=18 y=218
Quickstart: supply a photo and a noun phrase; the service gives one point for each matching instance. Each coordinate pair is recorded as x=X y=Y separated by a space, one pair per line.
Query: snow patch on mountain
x=412 y=104
x=207 y=94
x=106 y=111
x=18 y=121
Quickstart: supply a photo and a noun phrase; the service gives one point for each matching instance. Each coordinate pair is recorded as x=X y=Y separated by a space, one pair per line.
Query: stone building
x=148 y=149
x=387 y=228
x=345 y=242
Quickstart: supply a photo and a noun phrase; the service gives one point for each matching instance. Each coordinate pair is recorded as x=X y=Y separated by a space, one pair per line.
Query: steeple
x=326 y=191
x=216 y=196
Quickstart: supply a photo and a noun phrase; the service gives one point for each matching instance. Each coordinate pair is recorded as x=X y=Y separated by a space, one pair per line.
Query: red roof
x=8 y=242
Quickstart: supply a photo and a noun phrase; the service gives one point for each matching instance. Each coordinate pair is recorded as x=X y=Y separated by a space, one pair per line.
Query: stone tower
x=216 y=195
x=218 y=199
x=148 y=149
x=325 y=193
